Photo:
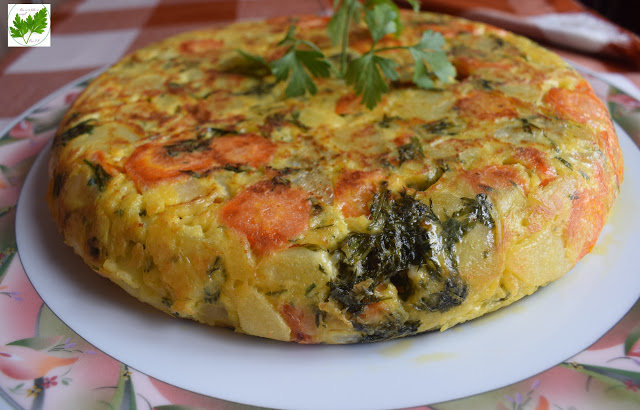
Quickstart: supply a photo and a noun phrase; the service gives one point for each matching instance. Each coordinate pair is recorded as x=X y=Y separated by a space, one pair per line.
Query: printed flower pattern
x=625 y=100
x=34 y=391
x=13 y=295
x=630 y=385
x=24 y=363
x=50 y=382
x=126 y=374
x=23 y=129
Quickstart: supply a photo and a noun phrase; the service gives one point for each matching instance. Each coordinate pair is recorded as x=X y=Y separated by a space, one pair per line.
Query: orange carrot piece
x=354 y=191
x=486 y=105
x=250 y=149
x=269 y=214
x=534 y=159
x=348 y=104
x=152 y=163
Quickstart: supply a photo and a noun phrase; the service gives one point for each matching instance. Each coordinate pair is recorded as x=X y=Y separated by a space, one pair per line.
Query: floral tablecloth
x=46 y=365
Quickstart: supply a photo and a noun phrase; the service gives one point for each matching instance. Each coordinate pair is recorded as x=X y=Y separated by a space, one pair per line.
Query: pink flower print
x=629 y=385
x=71 y=97
x=543 y=403
x=50 y=382
x=625 y=100
x=23 y=129
x=24 y=363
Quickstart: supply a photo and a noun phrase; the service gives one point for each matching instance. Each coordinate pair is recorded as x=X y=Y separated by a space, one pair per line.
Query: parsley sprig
x=295 y=63
x=370 y=73
x=300 y=57
x=32 y=24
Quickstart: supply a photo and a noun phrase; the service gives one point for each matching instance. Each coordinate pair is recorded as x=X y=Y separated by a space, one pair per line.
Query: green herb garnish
x=198 y=144
x=100 y=177
x=412 y=150
x=276 y=292
x=58 y=182
x=301 y=59
x=84 y=127
x=370 y=73
x=211 y=297
x=406 y=234
x=216 y=267
x=309 y=289
x=209 y=132
x=391 y=329
x=565 y=163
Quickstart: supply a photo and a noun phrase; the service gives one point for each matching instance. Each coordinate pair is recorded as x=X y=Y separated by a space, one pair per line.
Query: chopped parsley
x=405 y=234
x=100 y=177
x=84 y=127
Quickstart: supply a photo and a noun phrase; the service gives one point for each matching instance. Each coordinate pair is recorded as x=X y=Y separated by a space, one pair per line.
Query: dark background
x=626 y=13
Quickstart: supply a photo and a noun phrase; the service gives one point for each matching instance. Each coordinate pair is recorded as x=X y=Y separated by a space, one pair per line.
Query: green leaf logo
x=24 y=28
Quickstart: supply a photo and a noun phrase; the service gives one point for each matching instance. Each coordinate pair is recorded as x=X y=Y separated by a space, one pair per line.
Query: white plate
x=502 y=348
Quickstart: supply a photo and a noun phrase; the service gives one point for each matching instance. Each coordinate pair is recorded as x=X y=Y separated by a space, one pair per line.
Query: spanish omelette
x=188 y=179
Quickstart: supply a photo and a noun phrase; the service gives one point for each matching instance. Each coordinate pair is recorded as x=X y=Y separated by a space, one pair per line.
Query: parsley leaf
x=19 y=28
x=100 y=177
x=364 y=72
x=415 y=4
x=346 y=11
x=296 y=64
x=289 y=37
x=429 y=49
x=33 y=24
x=339 y=20
x=257 y=64
x=38 y=23
x=364 y=75
x=383 y=19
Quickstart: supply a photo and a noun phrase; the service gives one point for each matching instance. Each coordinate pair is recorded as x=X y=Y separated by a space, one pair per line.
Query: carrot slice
x=579 y=104
x=451 y=29
x=268 y=213
x=583 y=106
x=500 y=177
x=354 y=191
x=200 y=46
x=485 y=105
x=532 y=158
x=152 y=163
x=467 y=66
x=301 y=323
x=348 y=104
x=588 y=216
x=250 y=149
x=310 y=22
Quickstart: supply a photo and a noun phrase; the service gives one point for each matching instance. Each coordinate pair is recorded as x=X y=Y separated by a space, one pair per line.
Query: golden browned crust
x=198 y=188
